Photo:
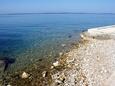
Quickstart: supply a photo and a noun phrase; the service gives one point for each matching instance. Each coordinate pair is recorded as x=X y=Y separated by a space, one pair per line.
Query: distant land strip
x=53 y=13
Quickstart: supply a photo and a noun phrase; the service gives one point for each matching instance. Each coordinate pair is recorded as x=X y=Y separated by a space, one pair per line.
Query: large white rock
x=102 y=31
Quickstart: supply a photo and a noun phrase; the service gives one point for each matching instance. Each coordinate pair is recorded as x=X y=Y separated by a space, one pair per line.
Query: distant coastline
x=53 y=13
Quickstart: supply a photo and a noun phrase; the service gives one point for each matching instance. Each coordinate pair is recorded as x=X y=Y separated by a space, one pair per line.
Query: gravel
x=92 y=64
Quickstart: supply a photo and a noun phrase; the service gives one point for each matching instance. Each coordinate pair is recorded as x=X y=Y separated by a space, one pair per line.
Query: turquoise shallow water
x=29 y=37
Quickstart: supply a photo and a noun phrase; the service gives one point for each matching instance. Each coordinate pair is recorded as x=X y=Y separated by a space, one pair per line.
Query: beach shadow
x=7 y=61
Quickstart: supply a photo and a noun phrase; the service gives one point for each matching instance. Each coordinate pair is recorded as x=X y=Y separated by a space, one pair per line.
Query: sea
x=26 y=38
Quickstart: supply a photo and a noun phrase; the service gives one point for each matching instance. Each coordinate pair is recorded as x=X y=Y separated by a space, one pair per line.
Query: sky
x=43 y=6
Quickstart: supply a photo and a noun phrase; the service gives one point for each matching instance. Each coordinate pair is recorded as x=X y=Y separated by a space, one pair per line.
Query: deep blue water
x=29 y=37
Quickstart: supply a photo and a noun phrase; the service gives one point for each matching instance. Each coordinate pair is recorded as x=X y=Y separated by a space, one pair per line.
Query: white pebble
x=44 y=73
x=8 y=85
x=24 y=75
x=55 y=64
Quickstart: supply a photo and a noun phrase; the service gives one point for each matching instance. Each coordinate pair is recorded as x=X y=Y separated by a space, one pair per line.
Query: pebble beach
x=92 y=63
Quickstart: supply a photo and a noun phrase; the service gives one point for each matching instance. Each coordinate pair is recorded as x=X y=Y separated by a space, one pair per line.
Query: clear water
x=28 y=37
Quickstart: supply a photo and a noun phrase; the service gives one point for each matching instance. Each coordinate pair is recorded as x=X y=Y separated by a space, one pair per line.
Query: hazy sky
x=26 y=6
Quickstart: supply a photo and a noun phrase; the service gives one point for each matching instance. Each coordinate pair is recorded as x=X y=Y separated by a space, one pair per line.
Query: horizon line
x=56 y=13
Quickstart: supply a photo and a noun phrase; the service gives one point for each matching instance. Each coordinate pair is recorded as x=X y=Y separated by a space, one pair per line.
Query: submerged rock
x=61 y=53
x=63 y=45
x=69 y=36
x=24 y=75
x=2 y=65
x=5 y=62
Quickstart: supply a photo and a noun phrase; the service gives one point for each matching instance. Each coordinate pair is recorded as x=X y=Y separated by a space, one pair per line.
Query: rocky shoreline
x=91 y=62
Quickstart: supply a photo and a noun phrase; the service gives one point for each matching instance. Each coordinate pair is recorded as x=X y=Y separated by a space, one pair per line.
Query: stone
x=58 y=81
x=69 y=36
x=51 y=67
x=63 y=45
x=55 y=64
x=9 y=85
x=60 y=53
x=44 y=73
x=24 y=75
x=62 y=77
x=2 y=65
